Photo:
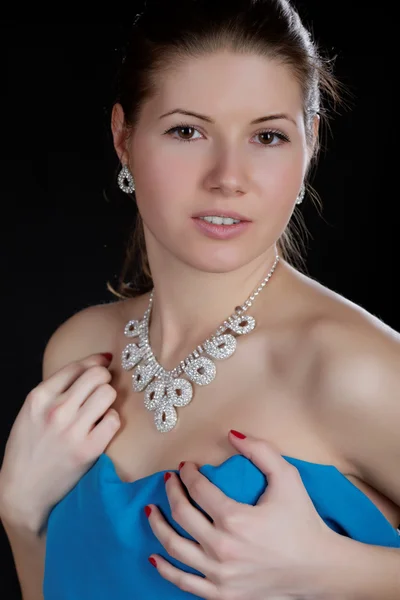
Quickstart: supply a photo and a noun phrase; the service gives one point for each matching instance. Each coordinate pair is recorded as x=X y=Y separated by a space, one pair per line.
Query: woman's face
x=184 y=164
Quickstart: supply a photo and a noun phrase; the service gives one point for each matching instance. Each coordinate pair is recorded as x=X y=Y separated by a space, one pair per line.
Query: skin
x=318 y=374
x=227 y=166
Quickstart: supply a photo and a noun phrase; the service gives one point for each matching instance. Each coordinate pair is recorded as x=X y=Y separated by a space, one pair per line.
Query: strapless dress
x=99 y=538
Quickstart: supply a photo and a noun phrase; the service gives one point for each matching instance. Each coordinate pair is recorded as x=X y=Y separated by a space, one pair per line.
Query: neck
x=189 y=304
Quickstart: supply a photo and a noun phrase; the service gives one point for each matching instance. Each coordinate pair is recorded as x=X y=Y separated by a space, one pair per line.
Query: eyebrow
x=209 y=120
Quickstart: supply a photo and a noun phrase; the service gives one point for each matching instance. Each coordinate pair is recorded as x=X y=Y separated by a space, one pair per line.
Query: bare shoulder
x=360 y=352
x=357 y=398
x=94 y=329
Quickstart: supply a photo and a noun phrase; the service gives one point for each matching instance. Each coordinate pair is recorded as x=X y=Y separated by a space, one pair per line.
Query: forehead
x=229 y=84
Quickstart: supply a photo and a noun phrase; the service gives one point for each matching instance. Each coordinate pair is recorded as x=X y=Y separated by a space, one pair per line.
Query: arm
x=361 y=417
x=79 y=335
x=362 y=572
x=28 y=550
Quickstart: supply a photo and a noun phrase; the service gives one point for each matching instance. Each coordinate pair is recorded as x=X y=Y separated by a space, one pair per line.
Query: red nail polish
x=147 y=510
x=238 y=434
x=181 y=465
x=153 y=561
x=108 y=356
x=167 y=476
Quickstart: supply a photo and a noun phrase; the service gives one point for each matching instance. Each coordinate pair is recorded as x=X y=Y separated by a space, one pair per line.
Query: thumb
x=265 y=456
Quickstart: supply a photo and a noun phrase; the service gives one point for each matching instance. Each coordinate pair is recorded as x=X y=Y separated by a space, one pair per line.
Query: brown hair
x=172 y=30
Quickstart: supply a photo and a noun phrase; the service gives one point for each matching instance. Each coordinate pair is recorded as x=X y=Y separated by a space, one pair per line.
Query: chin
x=212 y=256
x=223 y=260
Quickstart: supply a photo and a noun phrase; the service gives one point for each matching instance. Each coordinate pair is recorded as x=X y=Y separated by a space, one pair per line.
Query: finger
x=103 y=432
x=95 y=406
x=187 y=582
x=187 y=552
x=208 y=496
x=83 y=387
x=193 y=521
x=62 y=379
x=65 y=407
x=279 y=472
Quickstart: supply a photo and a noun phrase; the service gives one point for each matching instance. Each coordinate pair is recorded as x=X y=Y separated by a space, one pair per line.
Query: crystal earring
x=301 y=195
x=125 y=180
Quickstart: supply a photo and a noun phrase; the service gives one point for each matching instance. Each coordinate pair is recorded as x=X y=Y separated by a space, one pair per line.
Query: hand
x=276 y=549
x=55 y=439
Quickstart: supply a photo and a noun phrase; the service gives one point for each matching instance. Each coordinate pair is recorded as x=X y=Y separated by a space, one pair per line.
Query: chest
x=265 y=389
x=250 y=393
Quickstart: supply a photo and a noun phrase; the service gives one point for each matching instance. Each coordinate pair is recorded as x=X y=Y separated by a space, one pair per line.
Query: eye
x=271 y=137
x=182 y=129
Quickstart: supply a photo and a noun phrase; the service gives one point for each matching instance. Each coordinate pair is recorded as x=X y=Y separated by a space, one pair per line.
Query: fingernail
x=108 y=356
x=167 y=476
x=238 y=434
x=153 y=561
x=181 y=465
x=147 y=510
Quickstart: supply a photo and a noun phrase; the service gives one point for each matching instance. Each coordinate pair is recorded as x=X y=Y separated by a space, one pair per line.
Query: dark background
x=65 y=224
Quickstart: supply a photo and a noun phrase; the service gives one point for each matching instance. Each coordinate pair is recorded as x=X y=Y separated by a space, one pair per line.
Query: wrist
x=19 y=523
x=335 y=570
x=357 y=571
x=317 y=575
x=338 y=575
x=23 y=521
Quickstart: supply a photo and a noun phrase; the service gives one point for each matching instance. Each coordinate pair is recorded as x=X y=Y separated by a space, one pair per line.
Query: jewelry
x=166 y=390
x=125 y=180
x=301 y=195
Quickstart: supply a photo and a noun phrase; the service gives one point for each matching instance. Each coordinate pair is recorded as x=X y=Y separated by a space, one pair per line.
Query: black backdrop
x=64 y=223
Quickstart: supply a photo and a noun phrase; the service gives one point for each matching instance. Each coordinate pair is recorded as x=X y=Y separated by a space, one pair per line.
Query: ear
x=119 y=133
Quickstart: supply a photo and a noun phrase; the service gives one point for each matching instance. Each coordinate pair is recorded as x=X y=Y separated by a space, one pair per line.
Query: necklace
x=167 y=390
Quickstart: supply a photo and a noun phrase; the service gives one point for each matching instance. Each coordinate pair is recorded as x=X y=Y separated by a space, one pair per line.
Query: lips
x=212 y=212
x=221 y=232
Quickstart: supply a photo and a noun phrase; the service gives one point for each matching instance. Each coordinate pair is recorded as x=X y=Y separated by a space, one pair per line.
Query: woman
x=216 y=126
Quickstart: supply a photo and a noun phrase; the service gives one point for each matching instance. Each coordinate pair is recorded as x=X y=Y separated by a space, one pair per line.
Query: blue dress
x=99 y=538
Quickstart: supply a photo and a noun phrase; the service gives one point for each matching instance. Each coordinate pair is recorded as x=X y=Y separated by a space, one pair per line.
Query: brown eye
x=185 y=130
x=272 y=138
x=183 y=133
x=268 y=137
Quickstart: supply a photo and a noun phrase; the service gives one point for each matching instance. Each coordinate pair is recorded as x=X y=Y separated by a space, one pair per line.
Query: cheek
x=167 y=181
x=166 y=188
x=280 y=180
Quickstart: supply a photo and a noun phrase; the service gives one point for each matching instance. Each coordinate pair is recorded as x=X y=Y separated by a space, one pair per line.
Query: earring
x=125 y=180
x=301 y=195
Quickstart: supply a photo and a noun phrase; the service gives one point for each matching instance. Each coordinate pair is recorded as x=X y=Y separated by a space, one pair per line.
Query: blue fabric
x=99 y=539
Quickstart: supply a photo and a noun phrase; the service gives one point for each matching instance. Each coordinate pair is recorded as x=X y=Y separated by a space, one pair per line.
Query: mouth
x=221 y=217
x=221 y=225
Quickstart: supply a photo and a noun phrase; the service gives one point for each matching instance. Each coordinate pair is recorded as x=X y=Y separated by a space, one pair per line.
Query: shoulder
x=361 y=352
x=356 y=351
x=357 y=400
x=94 y=329
x=360 y=355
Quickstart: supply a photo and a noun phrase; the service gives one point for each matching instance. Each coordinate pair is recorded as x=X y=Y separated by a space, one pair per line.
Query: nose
x=228 y=175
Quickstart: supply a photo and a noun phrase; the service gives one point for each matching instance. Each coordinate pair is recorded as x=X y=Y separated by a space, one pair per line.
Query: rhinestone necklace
x=166 y=390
